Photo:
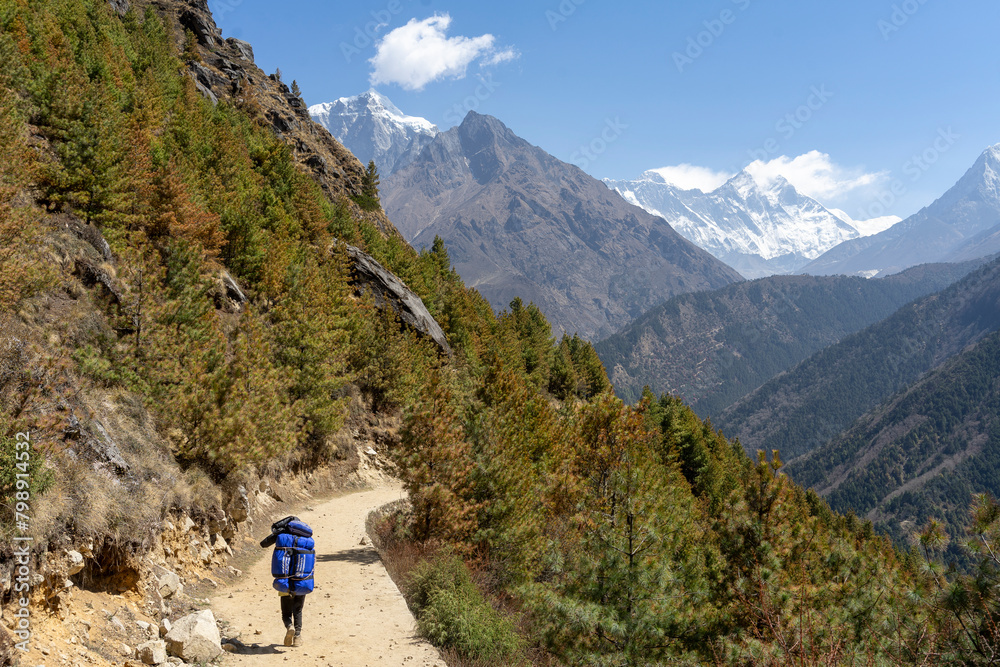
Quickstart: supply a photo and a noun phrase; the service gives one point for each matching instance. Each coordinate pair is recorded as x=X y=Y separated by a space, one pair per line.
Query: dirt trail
x=356 y=617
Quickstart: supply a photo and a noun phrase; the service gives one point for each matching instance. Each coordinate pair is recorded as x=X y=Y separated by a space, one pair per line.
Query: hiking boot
x=297 y=641
x=290 y=635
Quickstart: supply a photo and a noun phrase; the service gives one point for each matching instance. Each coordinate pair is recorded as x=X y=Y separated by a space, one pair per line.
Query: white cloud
x=815 y=175
x=502 y=56
x=691 y=177
x=420 y=53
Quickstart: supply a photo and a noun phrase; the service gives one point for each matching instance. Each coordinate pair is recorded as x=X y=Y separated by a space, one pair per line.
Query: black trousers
x=291 y=608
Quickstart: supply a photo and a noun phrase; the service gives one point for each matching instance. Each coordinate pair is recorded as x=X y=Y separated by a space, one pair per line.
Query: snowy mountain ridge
x=373 y=128
x=757 y=229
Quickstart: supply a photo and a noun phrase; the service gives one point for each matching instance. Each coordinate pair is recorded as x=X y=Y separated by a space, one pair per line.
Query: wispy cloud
x=421 y=52
x=692 y=177
x=815 y=175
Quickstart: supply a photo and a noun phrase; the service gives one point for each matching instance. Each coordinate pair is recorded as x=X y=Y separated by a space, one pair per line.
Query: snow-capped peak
x=759 y=225
x=376 y=104
x=373 y=128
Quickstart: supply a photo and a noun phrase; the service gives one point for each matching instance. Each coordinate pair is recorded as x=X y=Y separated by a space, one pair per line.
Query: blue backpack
x=294 y=559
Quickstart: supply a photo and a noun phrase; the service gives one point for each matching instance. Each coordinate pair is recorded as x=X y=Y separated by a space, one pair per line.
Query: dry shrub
x=8 y=653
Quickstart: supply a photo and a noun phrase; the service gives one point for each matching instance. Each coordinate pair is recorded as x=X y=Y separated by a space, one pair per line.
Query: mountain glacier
x=373 y=128
x=758 y=229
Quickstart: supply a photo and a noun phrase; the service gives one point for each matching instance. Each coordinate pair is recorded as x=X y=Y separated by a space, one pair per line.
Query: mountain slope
x=804 y=408
x=371 y=127
x=714 y=348
x=519 y=222
x=759 y=230
x=948 y=229
x=921 y=454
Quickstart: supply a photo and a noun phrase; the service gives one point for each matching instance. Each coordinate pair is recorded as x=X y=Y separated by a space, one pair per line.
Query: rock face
x=374 y=129
x=520 y=223
x=389 y=291
x=963 y=224
x=195 y=638
x=120 y=6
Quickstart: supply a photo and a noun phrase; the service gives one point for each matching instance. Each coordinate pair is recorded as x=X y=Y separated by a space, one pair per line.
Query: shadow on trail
x=359 y=555
x=258 y=649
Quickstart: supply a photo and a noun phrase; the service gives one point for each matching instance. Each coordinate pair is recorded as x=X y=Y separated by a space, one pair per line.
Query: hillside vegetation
x=713 y=348
x=804 y=408
x=922 y=454
x=168 y=254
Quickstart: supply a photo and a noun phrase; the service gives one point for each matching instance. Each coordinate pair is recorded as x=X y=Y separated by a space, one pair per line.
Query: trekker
x=292 y=566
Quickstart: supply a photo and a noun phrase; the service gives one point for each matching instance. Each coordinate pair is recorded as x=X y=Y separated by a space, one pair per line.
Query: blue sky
x=873 y=106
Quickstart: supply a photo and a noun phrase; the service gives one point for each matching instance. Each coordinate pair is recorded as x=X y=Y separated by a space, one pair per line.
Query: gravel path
x=356 y=617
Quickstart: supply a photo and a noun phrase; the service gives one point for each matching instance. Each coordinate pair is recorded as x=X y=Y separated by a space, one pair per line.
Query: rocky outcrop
x=195 y=638
x=120 y=7
x=244 y=48
x=370 y=277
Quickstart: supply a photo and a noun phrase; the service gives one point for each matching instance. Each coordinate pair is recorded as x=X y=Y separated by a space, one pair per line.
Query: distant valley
x=713 y=348
x=803 y=409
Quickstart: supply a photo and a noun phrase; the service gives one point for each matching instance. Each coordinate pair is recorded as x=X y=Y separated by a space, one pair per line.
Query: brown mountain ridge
x=520 y=223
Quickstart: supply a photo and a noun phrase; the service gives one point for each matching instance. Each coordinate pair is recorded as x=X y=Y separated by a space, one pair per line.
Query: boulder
x=168 y=583
x=76 y=563
x=207 y=77
x=219 y=543
x=106 y=448
x=152 y=652
x=195 y=638
x=120 y=7
x=165 y=627
x=389 y=291
x=239 y=506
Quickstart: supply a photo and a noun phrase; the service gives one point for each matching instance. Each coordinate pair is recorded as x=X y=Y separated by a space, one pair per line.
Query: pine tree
x=368 y=199
x=311 y=324
x=438 y=468
x=629 y=593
